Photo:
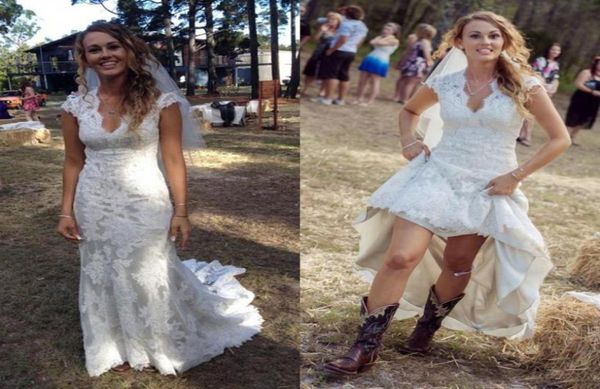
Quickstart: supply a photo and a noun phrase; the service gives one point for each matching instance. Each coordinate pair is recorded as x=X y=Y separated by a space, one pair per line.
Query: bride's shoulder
x=439 y=82
x=530 y=81
x=77 y=102
x=167 y=98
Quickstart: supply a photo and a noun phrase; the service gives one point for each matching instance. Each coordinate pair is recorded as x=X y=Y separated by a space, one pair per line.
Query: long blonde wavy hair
x=141 y=92
x=512 y=66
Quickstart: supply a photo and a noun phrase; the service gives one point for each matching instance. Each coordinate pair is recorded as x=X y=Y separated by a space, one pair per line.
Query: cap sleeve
x=434 y=83
x=166 y=99
x=531 y=82
x=72 y=105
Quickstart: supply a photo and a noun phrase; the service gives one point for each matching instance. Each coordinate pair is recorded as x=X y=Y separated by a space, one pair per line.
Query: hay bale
x=21 y=137
x=23 y=133
x=586 y=267
x=567 y=340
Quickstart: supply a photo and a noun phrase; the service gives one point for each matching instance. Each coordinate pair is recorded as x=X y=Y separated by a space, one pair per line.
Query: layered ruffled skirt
x=449 y=199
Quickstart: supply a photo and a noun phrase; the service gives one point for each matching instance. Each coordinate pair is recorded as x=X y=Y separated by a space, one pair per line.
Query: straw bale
x=567 y=340
x=586 y=267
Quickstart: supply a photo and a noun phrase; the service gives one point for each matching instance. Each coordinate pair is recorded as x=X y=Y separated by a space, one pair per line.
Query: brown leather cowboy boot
x=434 y=312
x=363 y=352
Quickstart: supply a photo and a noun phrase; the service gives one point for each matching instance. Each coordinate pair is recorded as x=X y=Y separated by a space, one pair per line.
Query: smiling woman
x=449 y=235
x=140 y=306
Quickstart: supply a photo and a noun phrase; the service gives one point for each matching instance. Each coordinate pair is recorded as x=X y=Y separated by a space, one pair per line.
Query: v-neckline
x=466 y=97
x=97 y=110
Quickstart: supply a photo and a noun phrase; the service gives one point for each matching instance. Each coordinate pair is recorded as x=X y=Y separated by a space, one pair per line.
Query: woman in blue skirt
x=375 y=65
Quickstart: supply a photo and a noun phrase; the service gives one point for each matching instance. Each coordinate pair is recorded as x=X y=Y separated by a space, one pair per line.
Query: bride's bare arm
x=424 y=98
x=74 y=160
x=548 y=118
x=172 y=155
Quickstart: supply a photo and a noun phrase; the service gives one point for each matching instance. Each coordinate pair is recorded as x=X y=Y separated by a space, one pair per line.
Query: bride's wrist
x=409 y=144
x=518 y=174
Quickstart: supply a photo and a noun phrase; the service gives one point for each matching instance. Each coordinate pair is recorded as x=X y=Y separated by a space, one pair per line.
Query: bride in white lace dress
x=140 y=305
x=448 y=236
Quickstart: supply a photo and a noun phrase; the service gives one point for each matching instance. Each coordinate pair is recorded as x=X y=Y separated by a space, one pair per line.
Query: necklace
x=111 y=110
x=470 y=91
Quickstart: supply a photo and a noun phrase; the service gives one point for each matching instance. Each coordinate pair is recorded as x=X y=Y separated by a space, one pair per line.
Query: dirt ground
x=347 y=152
x=243 y=192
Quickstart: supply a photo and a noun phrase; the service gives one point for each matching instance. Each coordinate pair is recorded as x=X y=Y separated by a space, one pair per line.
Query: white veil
x=431 y=123
x=190 y=129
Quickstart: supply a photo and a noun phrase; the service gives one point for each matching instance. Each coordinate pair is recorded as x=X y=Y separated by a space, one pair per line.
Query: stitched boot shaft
x=433 y=315
x=364 y=350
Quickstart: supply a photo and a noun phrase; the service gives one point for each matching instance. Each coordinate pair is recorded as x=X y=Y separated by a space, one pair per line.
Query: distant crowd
x=340 y=34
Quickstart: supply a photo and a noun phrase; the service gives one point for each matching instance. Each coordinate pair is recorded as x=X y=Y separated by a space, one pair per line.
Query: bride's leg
x=459 y=255
x=408 y=244
x=407 y=247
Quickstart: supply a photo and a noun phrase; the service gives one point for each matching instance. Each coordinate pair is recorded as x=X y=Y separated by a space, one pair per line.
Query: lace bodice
x=484 y=138
x=97 y=139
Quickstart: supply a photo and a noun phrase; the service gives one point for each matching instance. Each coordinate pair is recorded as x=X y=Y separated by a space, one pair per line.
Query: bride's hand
x=415 y=148
x=67 y=227
x=502 y=185
x=182 y=226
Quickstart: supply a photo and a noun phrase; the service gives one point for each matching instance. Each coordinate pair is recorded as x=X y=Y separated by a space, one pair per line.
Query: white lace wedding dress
x=138 y=302
x=446 y=195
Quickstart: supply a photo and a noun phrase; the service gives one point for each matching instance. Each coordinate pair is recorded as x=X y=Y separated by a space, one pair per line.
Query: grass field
x=243 y=192
x=347 y=152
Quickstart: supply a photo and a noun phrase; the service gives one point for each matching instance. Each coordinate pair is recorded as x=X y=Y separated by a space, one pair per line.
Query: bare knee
x=458 y=263
x=402 y=260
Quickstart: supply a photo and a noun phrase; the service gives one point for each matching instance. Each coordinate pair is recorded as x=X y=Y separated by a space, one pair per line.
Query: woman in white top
x=375 y=65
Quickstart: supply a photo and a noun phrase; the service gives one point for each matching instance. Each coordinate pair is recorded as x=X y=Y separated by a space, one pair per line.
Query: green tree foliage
x=9 y=12
x=13 y=44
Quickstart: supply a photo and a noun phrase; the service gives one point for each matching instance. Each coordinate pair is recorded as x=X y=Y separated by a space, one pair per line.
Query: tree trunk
x=253 y=48
x=395 y=8
x=274 y=19
x=210 y=48
x=312 y=8
x=190 y=78
x=531 y=17
x=519 y=18
x=292 y=88
x=169 y=38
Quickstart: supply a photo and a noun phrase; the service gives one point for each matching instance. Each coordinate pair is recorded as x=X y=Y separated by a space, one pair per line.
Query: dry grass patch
x=586 y=267
x=566 y=345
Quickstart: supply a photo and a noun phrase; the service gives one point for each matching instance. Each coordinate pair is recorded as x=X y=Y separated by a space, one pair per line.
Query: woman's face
x=554 y=52
x=332 y=21
x=481 y=41
x=387 y=31
x=105 y=54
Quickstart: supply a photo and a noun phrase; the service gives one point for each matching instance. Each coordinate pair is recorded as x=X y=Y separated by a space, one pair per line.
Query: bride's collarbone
x=476 y=101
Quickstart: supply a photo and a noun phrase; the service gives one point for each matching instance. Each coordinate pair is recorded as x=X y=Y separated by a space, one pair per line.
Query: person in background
x=335 y=66
x=305 y=33
x=30 y=103
x=583 y=107
x=417 y=65
x=4 y=114
x=375 y=65
x=411 y=39
x=324 y=36
x=548 y=67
